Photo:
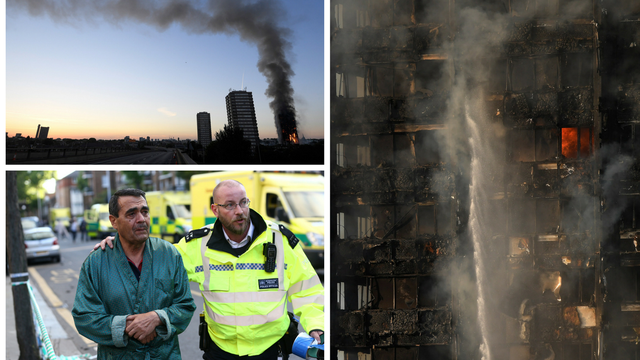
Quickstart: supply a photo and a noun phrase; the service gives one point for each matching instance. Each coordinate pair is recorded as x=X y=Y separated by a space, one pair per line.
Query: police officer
x=247 y=269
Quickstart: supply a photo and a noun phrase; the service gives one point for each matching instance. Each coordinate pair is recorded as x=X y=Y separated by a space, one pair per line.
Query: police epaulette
x=293 y=240
x=197 y=233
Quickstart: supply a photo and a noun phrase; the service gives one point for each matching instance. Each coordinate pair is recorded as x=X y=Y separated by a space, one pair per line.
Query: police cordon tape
x=43 y=337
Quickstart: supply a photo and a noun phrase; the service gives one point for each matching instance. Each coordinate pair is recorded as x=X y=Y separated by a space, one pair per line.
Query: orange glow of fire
x=570 y=142
x=293 y=138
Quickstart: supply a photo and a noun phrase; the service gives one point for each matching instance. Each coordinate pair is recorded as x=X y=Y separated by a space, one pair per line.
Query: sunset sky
x=111 y=79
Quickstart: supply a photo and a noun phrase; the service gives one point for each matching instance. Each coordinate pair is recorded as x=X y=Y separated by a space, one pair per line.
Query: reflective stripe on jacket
x=246 y=307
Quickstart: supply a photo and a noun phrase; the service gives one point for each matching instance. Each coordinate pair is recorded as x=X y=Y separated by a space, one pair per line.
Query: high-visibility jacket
x=246 y=307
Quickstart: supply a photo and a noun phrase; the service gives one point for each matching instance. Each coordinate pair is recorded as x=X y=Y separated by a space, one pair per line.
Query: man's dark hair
x=114 y=206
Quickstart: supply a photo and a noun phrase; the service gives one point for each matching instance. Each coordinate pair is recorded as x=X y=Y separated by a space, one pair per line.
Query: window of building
x=576 y=69
x=427 y=147
x=403 y=150
x=353 y=355
x=431 y=11
x=534 y=145
x=338 y=17
x=362 y=18
x=534 y=8
x=431 y=77
x=383 y=153
x=577 y=142
x=340 y=157
x=341 y=225
x=432 y=293
x=350 y=85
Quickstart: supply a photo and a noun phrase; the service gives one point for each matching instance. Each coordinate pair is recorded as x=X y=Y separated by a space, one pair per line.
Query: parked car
x=29 y=222
x=41 y=243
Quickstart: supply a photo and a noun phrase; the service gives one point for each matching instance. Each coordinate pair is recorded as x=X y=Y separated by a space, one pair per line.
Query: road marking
x=56 y=303
x=46 y=290
x=68 y=318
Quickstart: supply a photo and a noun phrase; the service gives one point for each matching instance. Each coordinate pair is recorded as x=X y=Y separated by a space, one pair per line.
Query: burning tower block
x=538 y=257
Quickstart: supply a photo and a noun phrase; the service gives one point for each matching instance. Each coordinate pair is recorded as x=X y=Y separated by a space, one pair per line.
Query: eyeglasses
x=243 y=205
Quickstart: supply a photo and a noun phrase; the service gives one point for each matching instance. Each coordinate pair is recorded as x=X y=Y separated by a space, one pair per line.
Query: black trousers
x=215 y=353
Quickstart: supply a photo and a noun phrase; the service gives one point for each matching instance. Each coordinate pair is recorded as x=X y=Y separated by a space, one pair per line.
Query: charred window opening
x=382 y=290
x=381 y=80
x=427 y=220
x=630 y=224
x=354 y=222
x=521 y=219
x=522 y=75
x=340 y=157
x=353 y=294
x=520 y=246
x=441 y=352
x=382 y=146
x=353 y=355
x=340 y=231
x=338 y=16
x=432 y=77
x=534 y=145
x=406 y=296
x=579 y=215
x=628 y=285
x=382 y=13
x=497 y=81
x=350 y=84
x=431 y=11
x=577 y=351
x=547 y=216
x=432 y=293
x=578 y=286
x=534 y=74
x=428 y=147
x=534 y=8
x=403 y=150
x=630 y=138
x=435 y=219
x=353 y=151
x=576 y=70
x=403 y=79
x=403 y=12
x=577 y=142
x=383 y=220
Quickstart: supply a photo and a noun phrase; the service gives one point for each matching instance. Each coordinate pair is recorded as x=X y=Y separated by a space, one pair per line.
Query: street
x=57 y=283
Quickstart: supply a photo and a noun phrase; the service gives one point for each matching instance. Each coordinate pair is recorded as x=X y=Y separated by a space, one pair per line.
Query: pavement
x=61 y=341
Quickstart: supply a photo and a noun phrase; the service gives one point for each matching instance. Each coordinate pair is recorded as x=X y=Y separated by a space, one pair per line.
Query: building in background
x=485 y=180
x=42 y=132
x=241 y=115
x=204 y=128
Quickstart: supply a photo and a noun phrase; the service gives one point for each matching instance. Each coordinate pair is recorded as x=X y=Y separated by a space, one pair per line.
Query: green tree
x=134 y=179
x=229 y=147
x=186 y=175
x=30 y=188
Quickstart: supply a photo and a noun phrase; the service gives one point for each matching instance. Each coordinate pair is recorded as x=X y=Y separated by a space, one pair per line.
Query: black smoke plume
x=254 y=21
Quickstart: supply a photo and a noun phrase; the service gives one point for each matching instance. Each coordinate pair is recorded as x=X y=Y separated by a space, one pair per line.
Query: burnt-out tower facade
x=485 y=185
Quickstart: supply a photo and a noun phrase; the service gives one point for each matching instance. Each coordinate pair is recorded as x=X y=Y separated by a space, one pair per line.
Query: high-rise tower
x=204 y=128
x=241 y=114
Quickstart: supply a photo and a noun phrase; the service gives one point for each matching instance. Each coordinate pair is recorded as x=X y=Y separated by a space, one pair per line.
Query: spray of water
x=480 y=154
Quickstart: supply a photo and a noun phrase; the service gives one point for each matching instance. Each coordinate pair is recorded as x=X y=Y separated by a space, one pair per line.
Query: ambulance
x=170 y=215
x=295 y=200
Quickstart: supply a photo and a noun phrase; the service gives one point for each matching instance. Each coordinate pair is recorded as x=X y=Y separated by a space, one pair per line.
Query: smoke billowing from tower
x=253 y=21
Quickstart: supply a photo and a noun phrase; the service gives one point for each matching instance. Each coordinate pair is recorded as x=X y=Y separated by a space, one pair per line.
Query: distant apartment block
x=204 y=128
x=241 y=114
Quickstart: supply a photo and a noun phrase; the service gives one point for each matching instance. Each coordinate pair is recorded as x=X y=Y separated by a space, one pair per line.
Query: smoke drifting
x=255 y=22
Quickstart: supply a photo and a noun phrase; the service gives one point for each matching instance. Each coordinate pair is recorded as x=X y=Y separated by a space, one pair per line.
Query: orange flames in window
x=570 y=142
